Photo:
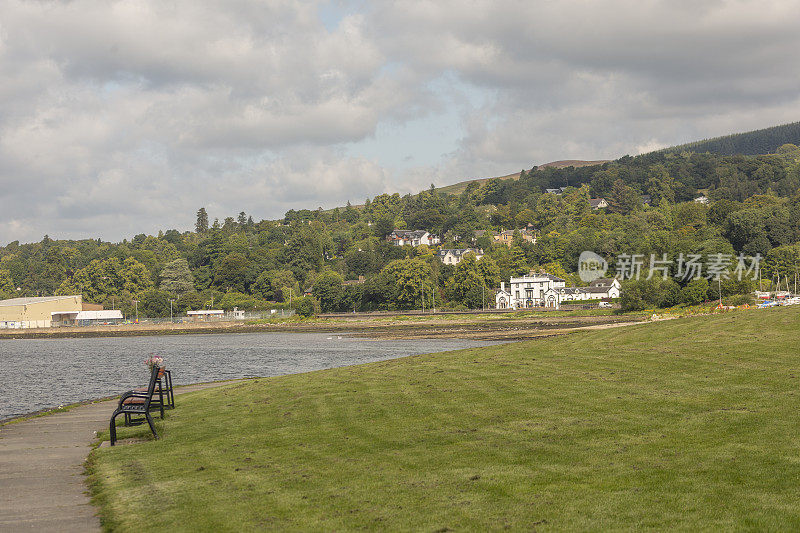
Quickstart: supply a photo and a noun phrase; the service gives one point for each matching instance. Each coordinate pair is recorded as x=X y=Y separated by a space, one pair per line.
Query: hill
x=686 y=424
x=458 y=188
x=757 y=142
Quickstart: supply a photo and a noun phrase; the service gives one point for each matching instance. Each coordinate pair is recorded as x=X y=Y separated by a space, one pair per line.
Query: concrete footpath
x=42 y=487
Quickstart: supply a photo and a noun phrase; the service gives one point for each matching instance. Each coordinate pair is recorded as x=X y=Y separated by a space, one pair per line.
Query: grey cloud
x=590 y=80
x=122 y=117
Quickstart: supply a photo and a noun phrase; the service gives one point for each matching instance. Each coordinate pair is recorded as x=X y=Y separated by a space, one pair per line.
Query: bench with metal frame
x=167 y=391
x=133 y=403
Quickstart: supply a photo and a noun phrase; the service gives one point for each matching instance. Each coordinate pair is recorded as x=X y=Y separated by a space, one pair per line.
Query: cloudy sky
x=119 y=118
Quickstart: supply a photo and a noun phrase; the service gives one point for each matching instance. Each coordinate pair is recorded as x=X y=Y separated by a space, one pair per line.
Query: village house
x=598 y=203
x=702 y=200
x=603 y=288
x=453 y=257
x=401 y=237
x=507 y=237
x=599 y=289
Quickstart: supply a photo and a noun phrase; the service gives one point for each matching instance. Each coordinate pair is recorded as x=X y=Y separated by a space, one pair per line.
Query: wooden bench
x=138 y=403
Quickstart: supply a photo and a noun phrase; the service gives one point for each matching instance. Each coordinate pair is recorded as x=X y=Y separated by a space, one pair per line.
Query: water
x=44 y=373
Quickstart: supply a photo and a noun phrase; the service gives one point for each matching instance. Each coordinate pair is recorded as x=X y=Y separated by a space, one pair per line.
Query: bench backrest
x=155 y=373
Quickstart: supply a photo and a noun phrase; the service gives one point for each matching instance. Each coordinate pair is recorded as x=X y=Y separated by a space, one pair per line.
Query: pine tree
x=201 y=226
x=176 y=277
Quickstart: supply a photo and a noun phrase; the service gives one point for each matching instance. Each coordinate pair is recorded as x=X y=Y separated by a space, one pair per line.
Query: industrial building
x=46 y=312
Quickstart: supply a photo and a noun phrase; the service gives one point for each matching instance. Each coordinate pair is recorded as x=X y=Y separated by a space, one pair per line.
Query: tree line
x=341 y=261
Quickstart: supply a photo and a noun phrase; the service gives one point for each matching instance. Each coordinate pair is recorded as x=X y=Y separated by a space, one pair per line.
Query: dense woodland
x=765 y=141
x=754 y=208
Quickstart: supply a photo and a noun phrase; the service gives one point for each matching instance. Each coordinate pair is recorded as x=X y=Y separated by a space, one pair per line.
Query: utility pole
x=171 y=300
x=719 y=288
x=136 y=303
x=423 y=295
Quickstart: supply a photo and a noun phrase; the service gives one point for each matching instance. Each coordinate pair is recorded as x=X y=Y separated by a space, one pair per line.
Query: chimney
x=503 y=286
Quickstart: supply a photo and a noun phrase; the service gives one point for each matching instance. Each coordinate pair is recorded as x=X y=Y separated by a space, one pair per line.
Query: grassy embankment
x=688 y=424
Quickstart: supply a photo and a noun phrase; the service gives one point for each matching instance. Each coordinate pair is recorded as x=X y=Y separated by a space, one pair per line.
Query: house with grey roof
x=454 y=256
x=401 y=237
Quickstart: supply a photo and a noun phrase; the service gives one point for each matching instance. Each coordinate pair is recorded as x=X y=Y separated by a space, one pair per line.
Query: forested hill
x=749 y=204
x=757 y=142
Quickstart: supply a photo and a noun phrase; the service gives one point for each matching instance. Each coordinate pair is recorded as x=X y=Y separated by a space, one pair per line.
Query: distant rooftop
x=35 y=300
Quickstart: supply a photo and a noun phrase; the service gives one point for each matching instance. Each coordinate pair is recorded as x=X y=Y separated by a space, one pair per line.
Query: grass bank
x=687 y=424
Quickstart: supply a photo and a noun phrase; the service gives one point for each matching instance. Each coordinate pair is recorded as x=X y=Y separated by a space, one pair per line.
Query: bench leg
x=113 y=428
x=170 y=393
x=161 y=400
x=151 y=424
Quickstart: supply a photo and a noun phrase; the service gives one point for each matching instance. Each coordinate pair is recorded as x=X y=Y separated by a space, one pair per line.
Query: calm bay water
x=42 y=373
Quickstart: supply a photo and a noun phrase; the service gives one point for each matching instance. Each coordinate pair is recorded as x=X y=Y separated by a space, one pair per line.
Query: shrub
x=695 y=292
x=304 y=306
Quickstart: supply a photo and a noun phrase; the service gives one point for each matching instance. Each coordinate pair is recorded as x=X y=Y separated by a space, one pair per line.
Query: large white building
x=546 y=290
x=533 y=290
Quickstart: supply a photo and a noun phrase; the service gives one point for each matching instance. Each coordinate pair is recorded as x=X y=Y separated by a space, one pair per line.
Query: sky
x=125 y=117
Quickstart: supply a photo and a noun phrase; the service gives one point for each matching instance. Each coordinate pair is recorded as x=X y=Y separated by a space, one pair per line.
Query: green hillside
x=458 y=188
x=687 y=424
x=757 y=142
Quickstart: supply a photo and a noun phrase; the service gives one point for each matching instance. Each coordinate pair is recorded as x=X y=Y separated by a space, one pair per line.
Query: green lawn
x=683 y=424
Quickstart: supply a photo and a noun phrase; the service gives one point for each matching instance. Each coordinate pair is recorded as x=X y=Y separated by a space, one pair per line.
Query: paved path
x=42 y=487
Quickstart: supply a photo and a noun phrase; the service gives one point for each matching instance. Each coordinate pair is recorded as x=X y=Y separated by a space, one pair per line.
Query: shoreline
x=509 y=329
x=48 y=411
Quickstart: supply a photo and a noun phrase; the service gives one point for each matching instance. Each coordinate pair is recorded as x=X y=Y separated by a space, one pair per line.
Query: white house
x=598 y=203
x=603 y=288
x=453 y=257
x=572 y=294
x=533 y=290
x=702 y=200
x=546 y=290
x=401 y=237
